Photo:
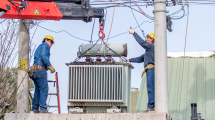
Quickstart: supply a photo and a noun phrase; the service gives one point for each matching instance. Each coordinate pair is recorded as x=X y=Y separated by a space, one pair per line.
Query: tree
x=9 y=35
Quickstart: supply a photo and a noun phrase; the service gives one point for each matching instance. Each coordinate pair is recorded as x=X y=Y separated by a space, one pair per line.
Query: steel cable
x=92 y=32
x=115 y=52
x=86 y=51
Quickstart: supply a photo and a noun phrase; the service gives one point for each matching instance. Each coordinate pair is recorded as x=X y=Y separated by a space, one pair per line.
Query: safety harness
x=149 y=66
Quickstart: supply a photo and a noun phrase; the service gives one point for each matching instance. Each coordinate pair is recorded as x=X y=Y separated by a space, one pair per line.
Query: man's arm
x=138 y=59
x=45 y=54
x=142 y=42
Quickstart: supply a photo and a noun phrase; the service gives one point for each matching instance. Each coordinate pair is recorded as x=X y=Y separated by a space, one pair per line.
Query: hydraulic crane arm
x=50 y=10
x=80 y=12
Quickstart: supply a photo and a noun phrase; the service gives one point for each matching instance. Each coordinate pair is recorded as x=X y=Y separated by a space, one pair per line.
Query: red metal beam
x=35 y=10
x=3 y=4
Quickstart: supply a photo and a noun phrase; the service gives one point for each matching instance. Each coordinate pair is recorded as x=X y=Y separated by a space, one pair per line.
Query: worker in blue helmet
x=148 y=59
x=38 y=74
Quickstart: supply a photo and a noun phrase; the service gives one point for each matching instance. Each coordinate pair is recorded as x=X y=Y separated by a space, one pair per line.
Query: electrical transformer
x=99 y=86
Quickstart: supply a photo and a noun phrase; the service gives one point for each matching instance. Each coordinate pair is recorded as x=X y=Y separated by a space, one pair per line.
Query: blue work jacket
x=148 y=57
x=41 y=55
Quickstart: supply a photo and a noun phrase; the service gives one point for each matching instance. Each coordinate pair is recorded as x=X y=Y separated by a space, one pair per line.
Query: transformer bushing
x=98 y=55
x=109 y=57
x=88 y=57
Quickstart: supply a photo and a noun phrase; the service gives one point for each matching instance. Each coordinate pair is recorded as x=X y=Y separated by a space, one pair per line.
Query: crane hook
x=101 y=27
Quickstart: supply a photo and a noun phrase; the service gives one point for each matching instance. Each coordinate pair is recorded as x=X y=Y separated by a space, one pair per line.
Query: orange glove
x=52 y=70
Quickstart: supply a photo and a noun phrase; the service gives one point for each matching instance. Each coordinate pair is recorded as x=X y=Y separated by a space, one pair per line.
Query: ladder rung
x=52 y=94
x=51 y=106
x=50 y=81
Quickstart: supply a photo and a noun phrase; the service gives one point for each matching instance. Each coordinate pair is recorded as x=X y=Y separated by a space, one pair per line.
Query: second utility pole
x=161 y=75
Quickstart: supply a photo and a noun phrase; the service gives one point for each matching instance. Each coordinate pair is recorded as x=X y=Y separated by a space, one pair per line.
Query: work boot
x=36 y=111
x=149 y=110
x=45 y=112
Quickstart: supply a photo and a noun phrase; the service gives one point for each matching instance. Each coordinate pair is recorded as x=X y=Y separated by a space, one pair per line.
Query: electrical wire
x=14 y=21
x=117 y=4
x=145 y=3
x=183 y=58
x=152 y=2
x=136 y=21
x=152 y=18
x=180 y=17
x=88 y=40
x=177 y=12
x=2 y=21
x=137 y=11
x=111 y=23
x=62 y=31
x=81 y=38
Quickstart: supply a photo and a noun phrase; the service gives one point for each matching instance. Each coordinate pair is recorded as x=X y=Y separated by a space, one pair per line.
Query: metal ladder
x=57 y=94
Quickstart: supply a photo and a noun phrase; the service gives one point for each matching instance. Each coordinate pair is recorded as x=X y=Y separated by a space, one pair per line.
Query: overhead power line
x=85 y=39
x=172 y=17
x=108 y=4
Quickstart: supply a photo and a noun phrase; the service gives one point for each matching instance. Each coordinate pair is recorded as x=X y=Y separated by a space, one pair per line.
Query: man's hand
x=128 y=60
x=52 y=70
x=131 y=31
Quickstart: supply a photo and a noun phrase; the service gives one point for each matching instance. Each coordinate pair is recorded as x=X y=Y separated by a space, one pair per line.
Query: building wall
x=198 y=86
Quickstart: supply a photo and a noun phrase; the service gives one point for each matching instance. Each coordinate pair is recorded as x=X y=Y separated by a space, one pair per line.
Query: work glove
x=131 y=31
x=128 y=60
x=52 y=70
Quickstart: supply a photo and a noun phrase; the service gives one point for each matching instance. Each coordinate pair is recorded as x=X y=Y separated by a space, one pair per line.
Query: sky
x=201 y=28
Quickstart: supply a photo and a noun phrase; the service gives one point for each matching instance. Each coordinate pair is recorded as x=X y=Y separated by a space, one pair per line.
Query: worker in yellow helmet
x=38 y=74
x=148 y=59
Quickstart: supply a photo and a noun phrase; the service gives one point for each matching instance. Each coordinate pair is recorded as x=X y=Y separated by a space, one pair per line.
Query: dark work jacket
x=41 y=55
x=148 y=57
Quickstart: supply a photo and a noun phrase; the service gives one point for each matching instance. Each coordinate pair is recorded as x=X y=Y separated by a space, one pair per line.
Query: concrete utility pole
x=22 y=93
x=161 y=75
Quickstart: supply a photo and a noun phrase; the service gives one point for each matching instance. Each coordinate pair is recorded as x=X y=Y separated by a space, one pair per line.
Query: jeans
x=150 y=76
x=41 y=90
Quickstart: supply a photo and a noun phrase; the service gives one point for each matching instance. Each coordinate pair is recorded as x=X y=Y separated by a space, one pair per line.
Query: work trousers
x=41 y=90
x=150 y=76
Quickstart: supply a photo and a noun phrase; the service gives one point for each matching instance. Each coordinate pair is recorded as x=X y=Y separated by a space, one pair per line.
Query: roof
x=191 y=54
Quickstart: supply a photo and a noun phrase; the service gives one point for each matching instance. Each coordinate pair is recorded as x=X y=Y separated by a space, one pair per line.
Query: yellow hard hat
x=152 y=35
x=50 y=38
